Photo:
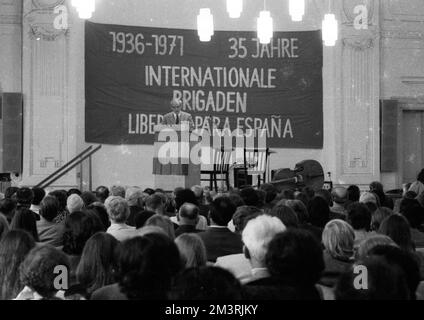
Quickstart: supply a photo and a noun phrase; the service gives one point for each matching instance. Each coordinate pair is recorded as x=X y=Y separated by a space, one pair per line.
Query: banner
x=231 y=82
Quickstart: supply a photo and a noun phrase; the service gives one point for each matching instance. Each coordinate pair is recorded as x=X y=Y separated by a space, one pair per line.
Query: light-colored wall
x=351 y=119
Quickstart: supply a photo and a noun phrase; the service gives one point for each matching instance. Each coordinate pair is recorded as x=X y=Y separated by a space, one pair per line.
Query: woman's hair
x=370 y=243
x=49 y=208
x=338 y=239
x=99 y=261
x=163 y=222
x=13 y=249
x=117 y=209
x=37 y=271
x=286 y=214
x=7 y=207
x=61 y=196
x=319 y=212
x=353 y=193
x=192 y=250
x=378 y=216
x=100 y=210
x=206 y=283
x=79 y=227
x=359 y=216
x=147 y=266
x=4 y=226
x=300 y=209
x=397 y=228
x=24 y=219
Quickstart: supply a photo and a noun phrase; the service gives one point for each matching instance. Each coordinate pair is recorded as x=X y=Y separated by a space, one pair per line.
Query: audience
x=74 y=203
x=102 y=193
x=118 y=211
x=359 y=217
x=286 y=215
x=49 y=231
x=188 y=217
x=135 y=198
x=24 y=219
x=353 y=193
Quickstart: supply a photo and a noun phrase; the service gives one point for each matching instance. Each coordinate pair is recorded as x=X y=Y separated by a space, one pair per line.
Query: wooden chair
x=255 y=164
x=221 y=167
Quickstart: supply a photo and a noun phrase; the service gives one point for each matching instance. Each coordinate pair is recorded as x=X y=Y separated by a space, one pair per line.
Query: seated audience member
x=4 y=226
x=385 y=282
x=135 y=198
x=367 y=197
x=100 y=211
x=359 y=217
x=378 y=216
x=88 y=198
x=370 y=243
x=74 y=191
x=377 y=188
x=102 y=193
x=187 y=196
x=24 y=220
x=39 y=195
x=206 y=283
x=61 y=196
x=353 y=193
x=162 y=222
x=414 y=213
x=142 y=217
x=235 y=198
x=340 y=198
x=250 y=197
x=79 y=227
x=270 y=195
x=156 y=204
x=7 y=208
x=418 y=185
x=319 y=212
x=286 y=215
x=10 y=193
x=24 y=197
x=117 y=191
x=118 y=211
x=218 y=239
x=13 y=249
x=397 y=228
x=192 y=250
x=295 y=262
x=237 y=263
x=49 y=231
x=146 y=268
x=188 y=217
x=37 y=273
x=256 y=236
x=203 y=207
x=338 y=238
x=74 y=203
x=98 y=264
x=405 y=260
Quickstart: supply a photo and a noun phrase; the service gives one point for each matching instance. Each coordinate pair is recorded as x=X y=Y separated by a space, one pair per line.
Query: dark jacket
x=185 y=229
x=221 y=242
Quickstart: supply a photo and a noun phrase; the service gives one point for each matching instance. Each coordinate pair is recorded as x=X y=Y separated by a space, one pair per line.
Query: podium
x=172 y=166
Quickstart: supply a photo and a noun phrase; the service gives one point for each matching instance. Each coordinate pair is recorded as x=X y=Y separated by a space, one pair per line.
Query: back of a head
x=270 y=192
x=134 y=196
x=326 y=195
x=359 y=216
x=242 y=215
x=39 y=194
x=258 y=233
x=384 y=282
x=378 y=216
x=37 y=271
x=397 y=228
x=100 y=211
x=184 y=196
x=222 y=211
x=236 y=199
x=189 y=213
x=295 y=257
x=149 y=191
x=206 y=283
x=340 y=195
x=154 y=202
x=74 y=203
x=353 y=193
x=24 y=219
x=192 y=250
x=162 y=222
x=7 y=206
x=413 y=212
x=24 y=196
x=249 y=196
x=368 y=197
x=338 y=239
x=117 y=191
x=61 y=196
x=370 y=243
x=286 y=215
x=117 y=209
x=198 y=191
x=89 y=197
x=319 y=212
x=147 y=265
x=300 y=209
x=141 y=218
x=102 y=193
x=49 y=208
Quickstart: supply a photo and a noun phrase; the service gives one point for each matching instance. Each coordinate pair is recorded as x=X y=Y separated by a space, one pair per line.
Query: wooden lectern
x=172 y=166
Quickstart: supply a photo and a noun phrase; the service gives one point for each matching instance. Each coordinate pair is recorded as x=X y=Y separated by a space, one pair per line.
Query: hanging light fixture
x=297 y=9
x=330 y=30
x=205 y=27
x=265 y=27
x=234 y=8
x=85 y=8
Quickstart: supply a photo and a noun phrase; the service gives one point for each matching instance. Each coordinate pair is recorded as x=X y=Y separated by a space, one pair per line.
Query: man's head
x=39 y=194
x=155 y=203
x=117 y=191
x=340 y=195
x=117 y=209
x=188 y=214
x=102 y=193
x=176 y=105
x=222 y=210
x=257 y=235
x=135 y=197
x=24 y=197
x=242 y=215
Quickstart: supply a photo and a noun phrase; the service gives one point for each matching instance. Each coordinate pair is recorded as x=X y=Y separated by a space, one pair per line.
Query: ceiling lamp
x=329 y=30
x=297 y=9
x=205 y=27
x=85 y=8
x=265 y=27
x=234 y=8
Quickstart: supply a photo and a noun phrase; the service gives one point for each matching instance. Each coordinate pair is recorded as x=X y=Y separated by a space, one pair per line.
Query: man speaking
x=177 y=117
